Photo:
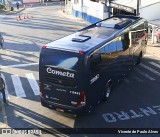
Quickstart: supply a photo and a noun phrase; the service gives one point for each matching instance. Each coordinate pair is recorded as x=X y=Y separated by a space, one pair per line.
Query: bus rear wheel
x=108 y=88
x=139 y=59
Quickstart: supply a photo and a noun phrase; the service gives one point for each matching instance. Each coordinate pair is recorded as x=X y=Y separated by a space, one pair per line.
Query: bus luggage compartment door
x=60 y=95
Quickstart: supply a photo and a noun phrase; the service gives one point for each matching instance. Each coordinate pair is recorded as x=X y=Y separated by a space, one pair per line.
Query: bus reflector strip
x=82 y=99
x=41 y=90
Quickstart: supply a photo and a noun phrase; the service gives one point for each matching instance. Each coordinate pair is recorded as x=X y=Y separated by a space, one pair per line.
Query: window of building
x=95 y=0
x=76 y=1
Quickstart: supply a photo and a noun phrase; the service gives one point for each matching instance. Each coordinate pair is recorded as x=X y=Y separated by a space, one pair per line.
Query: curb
x=44 y=4
x=14 y=12
x=7 y=12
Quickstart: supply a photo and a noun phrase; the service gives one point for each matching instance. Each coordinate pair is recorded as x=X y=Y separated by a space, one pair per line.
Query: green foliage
x=1 y=6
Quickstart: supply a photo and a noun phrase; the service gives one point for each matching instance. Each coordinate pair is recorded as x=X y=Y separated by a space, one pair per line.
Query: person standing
x=1 y=41
x=2 y=89
x=17 y=5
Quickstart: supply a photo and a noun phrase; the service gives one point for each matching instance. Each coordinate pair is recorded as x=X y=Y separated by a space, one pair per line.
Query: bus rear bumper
x=72 y=110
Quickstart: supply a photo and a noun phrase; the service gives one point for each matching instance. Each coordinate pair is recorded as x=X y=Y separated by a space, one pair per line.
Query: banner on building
x=122 y=7
x=31 y=1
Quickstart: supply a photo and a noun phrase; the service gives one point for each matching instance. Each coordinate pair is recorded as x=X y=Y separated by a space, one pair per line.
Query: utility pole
x=137 y=7
x=107 y=3
x=82 y=9
x=66 y=6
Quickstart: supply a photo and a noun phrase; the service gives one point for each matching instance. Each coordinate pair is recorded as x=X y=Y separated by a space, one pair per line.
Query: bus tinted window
x=105 y=55
x=99 y=32
x=68 y=63
x=62 y=60
x=138 y=32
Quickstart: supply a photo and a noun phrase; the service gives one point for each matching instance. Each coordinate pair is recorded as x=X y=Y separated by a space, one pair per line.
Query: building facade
x=95 y=10
x=89 y=10
x=31 y=1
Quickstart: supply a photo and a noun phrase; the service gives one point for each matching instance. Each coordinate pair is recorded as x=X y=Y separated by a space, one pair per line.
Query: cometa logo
x=60 y=73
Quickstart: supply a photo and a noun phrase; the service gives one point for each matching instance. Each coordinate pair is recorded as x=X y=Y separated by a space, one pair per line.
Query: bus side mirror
x=95 y=59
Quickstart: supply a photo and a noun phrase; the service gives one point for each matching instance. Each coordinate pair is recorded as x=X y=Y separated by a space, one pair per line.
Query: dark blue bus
x=78 y=71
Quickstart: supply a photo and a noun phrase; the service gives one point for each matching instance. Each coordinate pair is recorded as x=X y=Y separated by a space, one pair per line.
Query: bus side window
x=95 y=60
x=126 y=41
x=102 y=57
x=139 y=33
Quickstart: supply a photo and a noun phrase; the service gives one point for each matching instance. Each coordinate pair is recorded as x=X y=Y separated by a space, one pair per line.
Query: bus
x=78 y=71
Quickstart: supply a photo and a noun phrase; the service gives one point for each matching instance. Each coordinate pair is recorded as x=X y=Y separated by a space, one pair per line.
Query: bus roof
x=93 y=35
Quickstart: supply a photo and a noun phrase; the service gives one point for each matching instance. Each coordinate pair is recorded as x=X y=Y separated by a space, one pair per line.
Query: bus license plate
x=60 y=110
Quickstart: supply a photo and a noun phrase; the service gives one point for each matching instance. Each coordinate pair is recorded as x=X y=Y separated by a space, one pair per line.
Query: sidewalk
x=21 y=8
x=153 y=49
x=8 y=12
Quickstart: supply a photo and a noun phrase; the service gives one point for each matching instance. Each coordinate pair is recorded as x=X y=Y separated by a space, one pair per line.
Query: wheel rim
x=108 y=90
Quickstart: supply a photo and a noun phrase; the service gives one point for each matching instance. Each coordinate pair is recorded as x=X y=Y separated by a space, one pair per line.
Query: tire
x=86 y=113
x=108 y=88
x=139 y=59
x=2 y=84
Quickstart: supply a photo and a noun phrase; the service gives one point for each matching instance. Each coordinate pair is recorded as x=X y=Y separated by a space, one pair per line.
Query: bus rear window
x=67 y=63
x=61 y=59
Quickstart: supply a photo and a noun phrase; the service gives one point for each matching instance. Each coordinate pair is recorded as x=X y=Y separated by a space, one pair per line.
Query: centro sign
x=60 y=73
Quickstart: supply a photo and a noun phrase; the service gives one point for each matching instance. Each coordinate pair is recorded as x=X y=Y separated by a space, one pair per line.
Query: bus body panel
x=116 y=66
x=59 y=78
x=73 y=79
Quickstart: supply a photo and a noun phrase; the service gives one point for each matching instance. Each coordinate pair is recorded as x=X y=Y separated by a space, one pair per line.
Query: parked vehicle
x=157 y=34
x=78 y=71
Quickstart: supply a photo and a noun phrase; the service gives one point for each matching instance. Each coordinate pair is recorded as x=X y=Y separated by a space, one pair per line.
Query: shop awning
x=122 y=7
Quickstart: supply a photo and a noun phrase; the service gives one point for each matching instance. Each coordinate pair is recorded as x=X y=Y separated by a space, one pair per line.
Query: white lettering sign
x=131 y=114
x=60 y=73
x=94 y=79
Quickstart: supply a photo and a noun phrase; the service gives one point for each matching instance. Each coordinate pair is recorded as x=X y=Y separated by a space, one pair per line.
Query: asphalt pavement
x=141 y=109
x=19 y=60
x=152 y=48
x=9 y=12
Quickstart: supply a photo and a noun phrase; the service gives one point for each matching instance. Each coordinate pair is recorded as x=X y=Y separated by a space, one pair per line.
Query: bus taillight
x=44 y=46
x=41 y=89
x=81 y=52
x=82 y=101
